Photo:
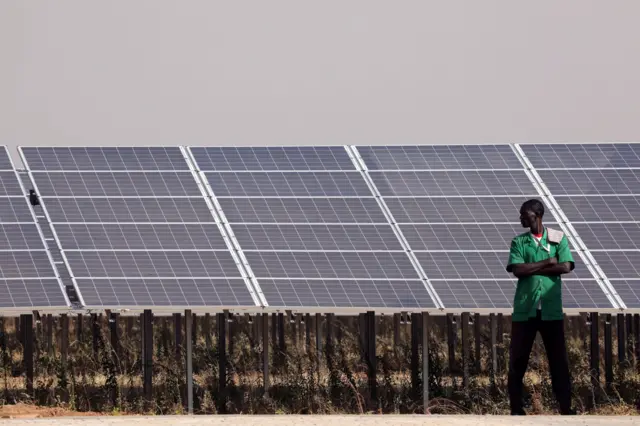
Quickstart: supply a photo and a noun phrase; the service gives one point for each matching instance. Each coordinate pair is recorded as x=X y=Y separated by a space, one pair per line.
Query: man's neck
x=537 y=229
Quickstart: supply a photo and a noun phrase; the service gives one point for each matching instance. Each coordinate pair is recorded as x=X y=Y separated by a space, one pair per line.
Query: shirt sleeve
x=564 y=252
x=515 y=255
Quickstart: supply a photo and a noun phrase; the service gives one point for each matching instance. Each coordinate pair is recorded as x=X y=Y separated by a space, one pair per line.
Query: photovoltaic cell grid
x=458 y=206
x=597 y=186
x=310 y=228
x=27 y=276
x=135 y=228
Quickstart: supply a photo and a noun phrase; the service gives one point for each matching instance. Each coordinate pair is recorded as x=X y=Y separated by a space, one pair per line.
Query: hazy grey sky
x=81 y=72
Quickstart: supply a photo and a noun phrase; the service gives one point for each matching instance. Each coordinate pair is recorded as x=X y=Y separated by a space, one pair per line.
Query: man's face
x=527 y=218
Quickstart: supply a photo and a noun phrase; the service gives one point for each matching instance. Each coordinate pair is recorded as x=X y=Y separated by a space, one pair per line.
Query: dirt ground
x=26 y=411
x=44 y=416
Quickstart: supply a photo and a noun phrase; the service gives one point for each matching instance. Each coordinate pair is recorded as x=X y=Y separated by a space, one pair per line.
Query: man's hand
x=552 y=261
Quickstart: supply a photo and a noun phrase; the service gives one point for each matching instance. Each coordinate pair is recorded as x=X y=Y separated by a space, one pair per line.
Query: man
x=538 y=258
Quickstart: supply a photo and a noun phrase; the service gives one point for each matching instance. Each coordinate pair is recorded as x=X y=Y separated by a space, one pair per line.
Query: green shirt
x=535 y=288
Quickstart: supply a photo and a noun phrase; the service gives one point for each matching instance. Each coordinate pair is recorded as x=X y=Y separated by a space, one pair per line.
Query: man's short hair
x=533 y=205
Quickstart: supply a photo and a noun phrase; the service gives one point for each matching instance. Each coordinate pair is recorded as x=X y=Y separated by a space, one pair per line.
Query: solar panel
x=14 y=209
x=104 y=158
x=140 y=236
x=597 y=187
x=101 y=210
x=302 y=210
x=610 y=236
x=108 y=184
x=308 y=223
x=578 y=156
x=27 y=276
x=19 y=236
x=586 y=182
x=10 y=185
x=629 y=292
x=595 y=208
x=165 y=292
x=435 y=157
x=347 y=265
x=498 y=294
x=151 y=264
x=289 y=184
x=458 y=209
x=461 y=237
x=5 y=161
x=322 y=293
x=453 y=183
x=469 y=294
x=619 y=264
x=31 y=293
x=316 y=237
x=135 y=227
x=272 y=158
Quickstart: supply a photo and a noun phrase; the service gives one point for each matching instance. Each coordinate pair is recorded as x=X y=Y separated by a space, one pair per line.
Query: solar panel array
x=330 y=228
x=135 y=228
x=597 y=186
x=27 y=274
x=310 y=228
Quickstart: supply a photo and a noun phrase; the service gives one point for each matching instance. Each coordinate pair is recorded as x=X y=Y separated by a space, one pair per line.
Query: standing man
x=538 y=258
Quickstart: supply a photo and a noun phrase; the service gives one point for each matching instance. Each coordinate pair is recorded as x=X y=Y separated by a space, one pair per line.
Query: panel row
x=137 y=230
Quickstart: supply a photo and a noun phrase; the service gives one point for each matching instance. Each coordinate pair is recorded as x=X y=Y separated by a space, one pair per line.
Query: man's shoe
x=518 y=412
x=569 y=412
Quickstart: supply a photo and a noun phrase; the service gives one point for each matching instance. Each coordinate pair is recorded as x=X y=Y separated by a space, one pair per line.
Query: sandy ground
x=386 y=420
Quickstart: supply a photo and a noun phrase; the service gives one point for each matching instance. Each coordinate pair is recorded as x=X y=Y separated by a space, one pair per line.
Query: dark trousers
x=523 y=335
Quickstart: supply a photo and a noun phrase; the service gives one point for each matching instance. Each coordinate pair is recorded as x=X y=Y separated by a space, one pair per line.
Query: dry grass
x=298 y=384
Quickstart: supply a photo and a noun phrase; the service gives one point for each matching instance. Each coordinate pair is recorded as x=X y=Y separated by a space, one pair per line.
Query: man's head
x=531 y=212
